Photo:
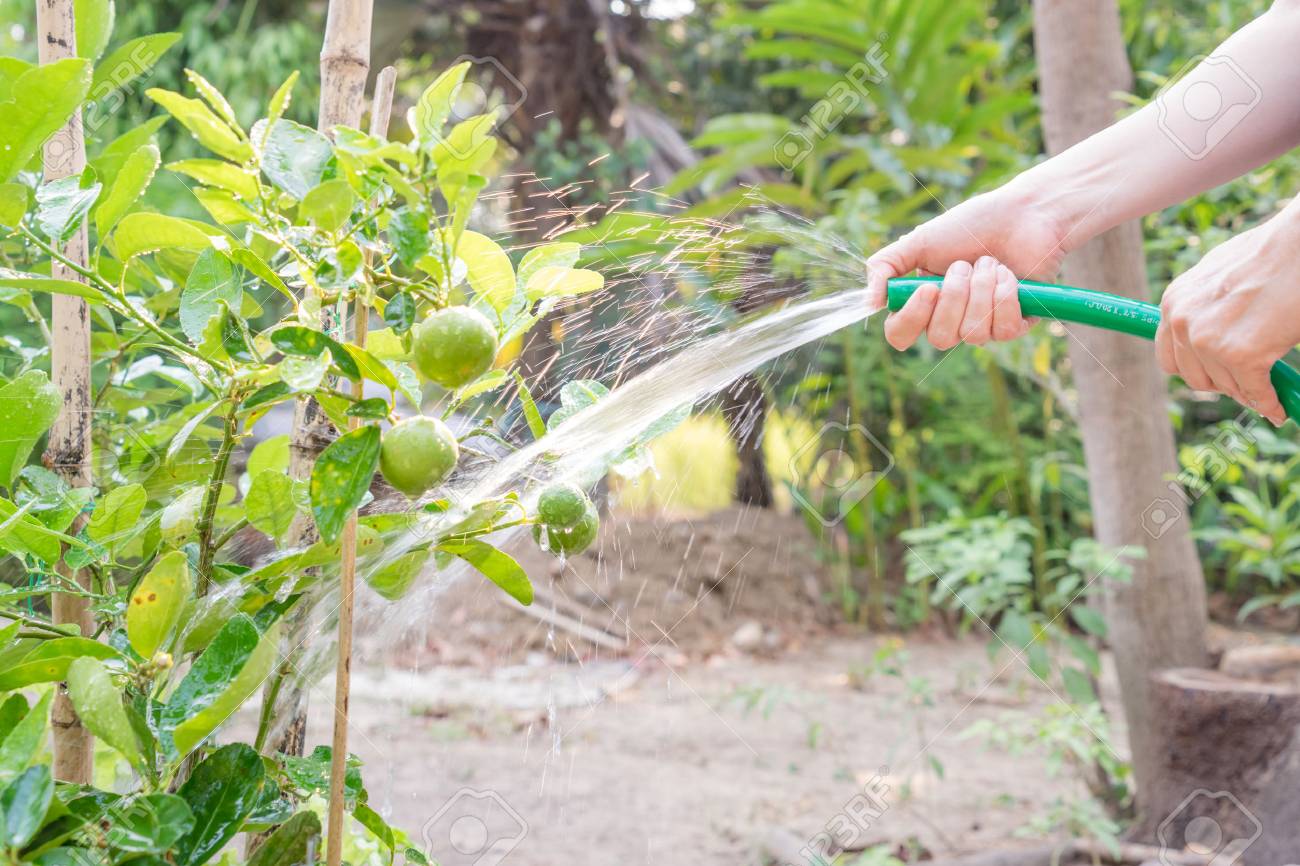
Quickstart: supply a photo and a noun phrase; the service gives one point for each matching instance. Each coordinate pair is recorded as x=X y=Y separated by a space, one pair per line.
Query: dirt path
x=635 y=762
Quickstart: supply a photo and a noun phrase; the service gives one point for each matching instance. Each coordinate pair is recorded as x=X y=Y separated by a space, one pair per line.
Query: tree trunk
x=68 y=451
x=1158 y=620
x=1229 y=757
x=744 y=405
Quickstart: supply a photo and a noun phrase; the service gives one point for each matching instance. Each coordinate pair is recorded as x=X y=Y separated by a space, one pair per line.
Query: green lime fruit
x=571 y=541
x=455 y=346
x=417 y=453
x=562 y=505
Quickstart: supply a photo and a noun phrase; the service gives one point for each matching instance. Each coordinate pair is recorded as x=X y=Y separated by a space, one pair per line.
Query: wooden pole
x=379 y=114
x=68 y=451
x=344 y=65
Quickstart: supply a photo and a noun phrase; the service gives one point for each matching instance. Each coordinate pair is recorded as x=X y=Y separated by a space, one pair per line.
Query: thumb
x=899 y=258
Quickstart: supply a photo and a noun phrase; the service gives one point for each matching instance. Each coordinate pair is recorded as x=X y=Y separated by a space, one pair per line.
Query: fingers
x=1257 y=391
x=1222 y=379
x=945 y=324
x=904 y=327
x=977 y=323
x=1008 y=322
x=900 y=257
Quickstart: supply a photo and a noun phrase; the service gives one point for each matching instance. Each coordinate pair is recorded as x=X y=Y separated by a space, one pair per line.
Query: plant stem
x=207 y=518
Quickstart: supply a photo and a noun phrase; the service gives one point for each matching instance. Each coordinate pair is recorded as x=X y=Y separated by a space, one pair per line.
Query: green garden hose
x=1100 y=310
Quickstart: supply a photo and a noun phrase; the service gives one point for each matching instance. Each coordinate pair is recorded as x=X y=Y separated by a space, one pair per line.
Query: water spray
x=1100 y=310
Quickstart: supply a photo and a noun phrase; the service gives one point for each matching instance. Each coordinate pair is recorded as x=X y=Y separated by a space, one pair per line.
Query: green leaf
x=557 y=255
x=62 y=205
x=154 y=609
x=251 y=674
x=212 y=673
x=117 y=514
x=1089 y=619
x=218 y=173
x=129 y=61
x=11 y=69
x=304 y=374
x=328 y=205
x=99 y=706
x=131 y=182
x=375 y=408
x=408 y=231
x=371 y=367
x=212 y=280
x=279 y=103
x=531 y=413
x=1078 y=686
x=294 y=843
x=261 y=270
x=269 y=503
x=28 y=406
x=399 y=313
x=222 y=791
x=559 y=282
x=36 y=283
x=210 y=130
x=489 y=270
x=498 y=566
x=294 y=157
x=93 y=21
x=269 y=455
x=187 y=429
x=26 y=739
x=149 y=824
x=179 y=517
x=213 y=98
x=23 y=805
x=140 y=233
x=468 y=146
x=341 y=478
x=430 y=112
x=13 y=204
x=49 y=662
x=41 y=102
x=394 y=580
x=24 y=535
x=309 y=343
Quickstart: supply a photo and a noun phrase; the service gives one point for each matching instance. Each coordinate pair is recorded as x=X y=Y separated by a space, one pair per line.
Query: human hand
x=1226 y=321
x=980 y=247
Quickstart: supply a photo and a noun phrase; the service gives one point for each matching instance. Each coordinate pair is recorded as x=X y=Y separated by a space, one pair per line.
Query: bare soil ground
x=731 y=707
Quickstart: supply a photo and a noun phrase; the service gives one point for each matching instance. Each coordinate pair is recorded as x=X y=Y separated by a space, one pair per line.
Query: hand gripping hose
x=1100 y=310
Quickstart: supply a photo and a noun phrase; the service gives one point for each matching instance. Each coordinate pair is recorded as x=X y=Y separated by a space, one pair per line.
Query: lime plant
x=199 y=329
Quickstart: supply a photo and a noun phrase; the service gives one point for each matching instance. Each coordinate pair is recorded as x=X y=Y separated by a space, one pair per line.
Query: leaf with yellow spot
x=155 y=606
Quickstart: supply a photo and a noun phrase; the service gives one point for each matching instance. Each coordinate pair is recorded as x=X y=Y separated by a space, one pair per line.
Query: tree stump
x=1229 y=756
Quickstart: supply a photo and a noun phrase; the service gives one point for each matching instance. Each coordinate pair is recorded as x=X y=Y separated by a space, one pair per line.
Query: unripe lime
x=562 y=505
x=571 y=541
x=455 y=346
x=417 y=453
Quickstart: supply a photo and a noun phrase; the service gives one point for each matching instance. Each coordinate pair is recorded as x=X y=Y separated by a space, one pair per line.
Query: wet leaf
x=294 y=843
x=309 y=343
x=99 y=706
x=211 y=131
x=154 y=609
x=131 y=182
x=430 y=112
x=399 y=313
x=269 y=503
x=28 y=406
x=341 y=478
x=129 y=61
x=13 y=203
x=220 y=174
x=117 y=514
x=94 y=26
x=394 y=580
x=62 y=205
x=23 y=805
x=294 y=156
x=212 y=673
x=150 y=824
x=557 y=282
x=408 y=231
x=561 y=255
x=221 y=792
x=140 y=233
x=328 y=205
x=40 y=102
x=251 y=674
x=489 y=270
x=212 y=281
x=25 y=739
x=496 y=565
x=49 y=662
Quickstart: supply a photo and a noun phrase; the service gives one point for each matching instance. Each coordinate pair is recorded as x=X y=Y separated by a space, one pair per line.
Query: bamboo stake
x=68 y=451
x=379 y=114
x=344 y=65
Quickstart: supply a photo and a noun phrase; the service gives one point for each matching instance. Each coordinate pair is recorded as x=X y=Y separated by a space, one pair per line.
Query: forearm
x=1163 y=154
